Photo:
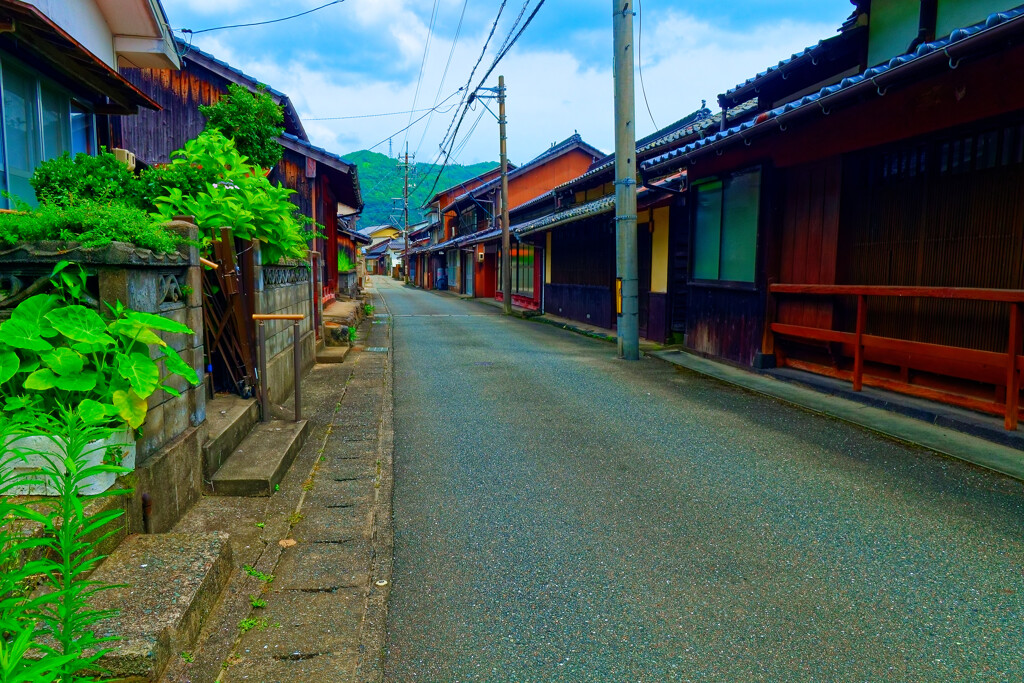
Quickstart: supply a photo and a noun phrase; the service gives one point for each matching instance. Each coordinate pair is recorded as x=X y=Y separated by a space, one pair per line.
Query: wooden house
x=472 y=250
x=59 y=81
x=866 y=221
x=327 y=186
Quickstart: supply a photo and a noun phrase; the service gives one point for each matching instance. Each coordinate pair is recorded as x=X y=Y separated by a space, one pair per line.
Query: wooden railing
x=997 y=368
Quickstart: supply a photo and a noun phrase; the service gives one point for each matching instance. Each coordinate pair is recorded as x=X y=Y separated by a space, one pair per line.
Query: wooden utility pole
x=506 y=246
x=405 y=197
x=625 y=184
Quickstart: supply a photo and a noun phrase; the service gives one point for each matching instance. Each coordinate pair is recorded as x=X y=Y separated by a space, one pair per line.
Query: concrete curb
x=947 y=442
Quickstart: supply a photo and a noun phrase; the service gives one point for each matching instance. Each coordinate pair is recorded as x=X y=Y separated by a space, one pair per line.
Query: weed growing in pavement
x=246 y=625
x=308 y=485
x=257 y=602
x=188 y=657
x=352 y=334
x=257 y=574
x=295 y=518
x=261 y=524
x=368 y=309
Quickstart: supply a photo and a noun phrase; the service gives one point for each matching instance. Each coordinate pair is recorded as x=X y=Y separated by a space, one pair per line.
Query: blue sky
x=364 y=57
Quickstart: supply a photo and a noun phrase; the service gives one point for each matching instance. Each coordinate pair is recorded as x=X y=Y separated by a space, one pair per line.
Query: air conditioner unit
x=125 y=157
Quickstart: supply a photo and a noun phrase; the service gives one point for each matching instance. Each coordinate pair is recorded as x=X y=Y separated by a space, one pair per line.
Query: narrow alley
x=561 y=515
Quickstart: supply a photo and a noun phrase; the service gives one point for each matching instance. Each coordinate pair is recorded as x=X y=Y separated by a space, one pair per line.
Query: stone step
x=229 y=418
x=261 y=460
x=166 y=585
x=332 y=354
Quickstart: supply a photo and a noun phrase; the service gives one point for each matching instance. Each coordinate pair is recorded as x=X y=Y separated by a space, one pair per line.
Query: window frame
x=723 y=179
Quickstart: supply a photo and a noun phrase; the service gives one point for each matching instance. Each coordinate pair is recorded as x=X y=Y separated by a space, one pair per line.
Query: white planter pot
x=29 y=448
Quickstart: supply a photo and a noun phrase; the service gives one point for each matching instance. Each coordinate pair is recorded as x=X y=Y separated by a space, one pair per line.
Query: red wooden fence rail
x=1007 y=365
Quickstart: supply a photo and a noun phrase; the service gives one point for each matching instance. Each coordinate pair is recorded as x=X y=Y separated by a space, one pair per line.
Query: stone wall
x=169 y=450
x=285 y=288
x=348 y=283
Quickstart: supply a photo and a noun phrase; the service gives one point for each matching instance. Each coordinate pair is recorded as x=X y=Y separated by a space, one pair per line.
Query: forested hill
x=381 y=179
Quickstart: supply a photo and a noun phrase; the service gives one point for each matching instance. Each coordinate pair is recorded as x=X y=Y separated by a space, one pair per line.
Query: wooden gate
x=228 y=293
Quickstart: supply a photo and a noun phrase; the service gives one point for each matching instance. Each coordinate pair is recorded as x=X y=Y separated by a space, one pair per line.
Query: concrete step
x=166 y=585
x=261 y=460
x=332 y=354
x=229 y=418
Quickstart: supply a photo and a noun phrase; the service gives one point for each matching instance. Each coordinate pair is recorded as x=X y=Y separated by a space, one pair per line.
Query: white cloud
x=551 y=92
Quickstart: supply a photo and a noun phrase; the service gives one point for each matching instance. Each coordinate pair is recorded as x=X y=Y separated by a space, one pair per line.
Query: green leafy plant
x=257 y=602
x=45 y=593
x=345 y=263
x=92 y=222
x=188 y=657
x=65 y=179
x=241 y=198
x=368 y=309
x=252 y=119
x=246 y=625
x=257 y=574
x=352 y=334
x=56 y=352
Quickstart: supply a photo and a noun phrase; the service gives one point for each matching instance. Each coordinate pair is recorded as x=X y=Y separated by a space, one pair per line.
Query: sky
x=359 y=58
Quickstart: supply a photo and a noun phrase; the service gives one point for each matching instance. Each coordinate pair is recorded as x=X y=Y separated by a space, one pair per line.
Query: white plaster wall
x=85 y=23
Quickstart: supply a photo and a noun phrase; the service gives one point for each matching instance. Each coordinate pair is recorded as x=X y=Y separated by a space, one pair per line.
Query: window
x=725 y=227
x=39 y=122
x=523 y=259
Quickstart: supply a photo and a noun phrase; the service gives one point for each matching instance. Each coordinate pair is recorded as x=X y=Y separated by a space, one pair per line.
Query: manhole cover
x=376 y=349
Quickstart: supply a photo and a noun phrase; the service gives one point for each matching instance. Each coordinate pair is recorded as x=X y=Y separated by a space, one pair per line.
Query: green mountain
x=381 y=179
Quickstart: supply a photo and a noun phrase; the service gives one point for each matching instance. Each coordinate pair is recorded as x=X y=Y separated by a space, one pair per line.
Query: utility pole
x=506 y=246
x=405 y=196
x=625 y=183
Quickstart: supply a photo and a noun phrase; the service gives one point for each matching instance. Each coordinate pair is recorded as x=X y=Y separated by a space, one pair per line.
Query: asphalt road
x=564 y=516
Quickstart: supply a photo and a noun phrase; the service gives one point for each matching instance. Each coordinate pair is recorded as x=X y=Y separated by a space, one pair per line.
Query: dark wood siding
x=810 y=230
x=679 y=265
x=944 y=211
x=153 y=135
x=583 y=272
x=726 y=323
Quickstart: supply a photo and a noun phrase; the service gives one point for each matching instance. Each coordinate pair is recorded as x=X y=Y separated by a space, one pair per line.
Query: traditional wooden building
x=866 y=221
x=326 y=186
x=470 y=223
x=59 y=82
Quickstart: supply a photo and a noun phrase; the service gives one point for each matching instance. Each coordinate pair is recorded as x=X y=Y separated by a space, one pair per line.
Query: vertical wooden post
x=858 y=351
x=1012 y=373
x=264 y=391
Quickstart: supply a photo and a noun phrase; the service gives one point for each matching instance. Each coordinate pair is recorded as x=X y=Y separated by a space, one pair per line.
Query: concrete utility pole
x=405 y=196
x=625 y=183
x=506 y=242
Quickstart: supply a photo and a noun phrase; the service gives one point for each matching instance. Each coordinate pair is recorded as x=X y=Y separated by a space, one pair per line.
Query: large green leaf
x=92 y=412
x=9 y=365
x=63 y=361
x=131 y=407
x=41 y=380
x=82 y=381
x=178 y=366
x=80 y=324
x=137 y=331
x=141 y=372
x=33 y=310
x=22 y=334
x=158 y=322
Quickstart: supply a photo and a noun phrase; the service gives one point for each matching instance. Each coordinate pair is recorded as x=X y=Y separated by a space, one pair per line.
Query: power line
x=444 y=75
x=640 y=58
x=262 y=23
x=372 y=116
x=423 y=63
x=402 y=130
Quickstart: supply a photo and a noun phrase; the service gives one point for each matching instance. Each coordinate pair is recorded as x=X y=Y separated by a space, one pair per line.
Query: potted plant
x=57 y=355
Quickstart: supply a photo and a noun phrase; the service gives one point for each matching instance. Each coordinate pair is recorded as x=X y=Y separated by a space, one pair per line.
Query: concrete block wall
x=284 y=288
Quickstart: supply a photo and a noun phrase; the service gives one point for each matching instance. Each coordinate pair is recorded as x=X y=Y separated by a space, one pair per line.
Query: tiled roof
x=694 y=125
x=868 y=78
x=329 y=158
x=556 y=149
x=378 y=249
x=593 y=208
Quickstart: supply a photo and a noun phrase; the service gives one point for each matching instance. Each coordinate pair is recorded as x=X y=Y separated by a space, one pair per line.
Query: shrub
x=63 y=180
x=158 y=181
x=241 y=199
x=253 y=120
x=94 y=223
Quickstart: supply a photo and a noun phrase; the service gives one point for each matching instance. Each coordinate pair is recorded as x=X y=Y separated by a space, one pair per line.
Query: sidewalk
x=308 y=600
